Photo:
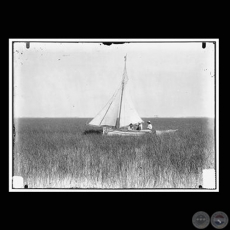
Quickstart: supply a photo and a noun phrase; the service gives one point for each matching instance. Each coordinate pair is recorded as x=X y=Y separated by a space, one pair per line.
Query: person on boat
x=139 y=126
x=130 y=127
x=105 y=130
x=149 y=125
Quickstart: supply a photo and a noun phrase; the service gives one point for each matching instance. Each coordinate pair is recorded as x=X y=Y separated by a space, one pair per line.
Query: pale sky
x=77 y=79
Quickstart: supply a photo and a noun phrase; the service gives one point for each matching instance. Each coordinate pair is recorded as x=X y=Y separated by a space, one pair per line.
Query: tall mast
x=123 y=82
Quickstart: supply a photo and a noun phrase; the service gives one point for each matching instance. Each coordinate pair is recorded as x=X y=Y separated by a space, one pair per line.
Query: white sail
x=120 y=108
x=128 y=112
x=108 y=115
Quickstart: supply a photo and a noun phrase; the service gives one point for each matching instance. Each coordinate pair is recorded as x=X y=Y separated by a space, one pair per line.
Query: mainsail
x=128 y=112
x=119 y=111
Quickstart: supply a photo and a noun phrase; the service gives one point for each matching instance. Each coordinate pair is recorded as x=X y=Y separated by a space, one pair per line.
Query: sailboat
x=119 y=112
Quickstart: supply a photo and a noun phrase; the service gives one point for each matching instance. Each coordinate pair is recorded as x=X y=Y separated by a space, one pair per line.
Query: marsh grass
x=65 y=153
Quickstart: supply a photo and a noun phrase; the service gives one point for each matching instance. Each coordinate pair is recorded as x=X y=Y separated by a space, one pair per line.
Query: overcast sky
x=77 y=79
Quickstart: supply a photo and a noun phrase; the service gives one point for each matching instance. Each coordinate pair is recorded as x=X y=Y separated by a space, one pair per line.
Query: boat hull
x=128 y=133
x=137 y=132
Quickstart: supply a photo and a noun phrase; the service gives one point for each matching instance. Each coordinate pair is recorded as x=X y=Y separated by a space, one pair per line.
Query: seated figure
x=130 y=127
x=139 y=126
x=149 y=125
